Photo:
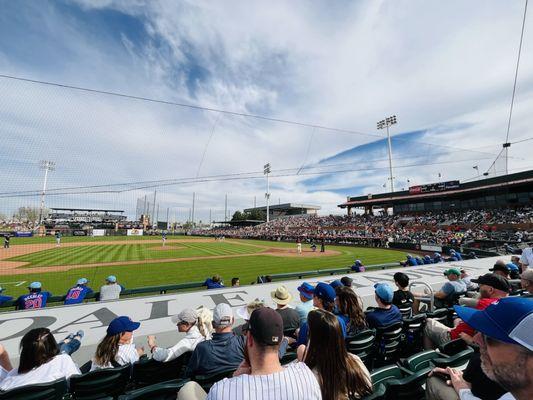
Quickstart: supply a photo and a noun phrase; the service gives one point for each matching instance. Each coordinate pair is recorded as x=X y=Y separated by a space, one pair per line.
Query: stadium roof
x=285 y=206
x=84 y=209
x=497 y=183
x=245 y=222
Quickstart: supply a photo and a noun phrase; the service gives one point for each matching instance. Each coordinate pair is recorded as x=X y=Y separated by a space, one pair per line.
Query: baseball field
x=144 y=261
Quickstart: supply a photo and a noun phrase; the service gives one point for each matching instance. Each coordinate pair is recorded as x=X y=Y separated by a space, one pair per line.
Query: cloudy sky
x=446 y=70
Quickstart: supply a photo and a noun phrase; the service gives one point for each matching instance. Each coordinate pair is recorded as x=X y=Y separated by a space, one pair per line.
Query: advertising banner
x=135 y=232
x=98 y=232
x=24 y=234
x=427 y=247
x=79 y=232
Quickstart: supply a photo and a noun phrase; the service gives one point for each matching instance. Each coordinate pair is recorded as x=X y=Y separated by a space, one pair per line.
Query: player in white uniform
x=299 y=247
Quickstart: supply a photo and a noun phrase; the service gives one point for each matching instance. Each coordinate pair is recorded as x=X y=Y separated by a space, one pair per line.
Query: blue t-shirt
x=33 y=300
x=212 y=285
x=77 y=294
x=452 y=287
x=412 y=261
x=3 y=299
x=383 y=317
x=304 y=329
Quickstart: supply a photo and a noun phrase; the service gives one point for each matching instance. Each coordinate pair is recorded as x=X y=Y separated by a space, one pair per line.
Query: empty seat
x=413 y=329
x=458 y=360
x=206 y=381
x=453 y=347
x=158 y=391
x=42 y=391
x=97 y=384
x=420 y=360
x=149 y=371
x=388 y=341
x=399 y=383
x=362 y=345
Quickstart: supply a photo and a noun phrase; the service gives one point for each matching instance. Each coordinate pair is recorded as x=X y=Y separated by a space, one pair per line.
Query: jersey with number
x=33 y=300
x=77 y=294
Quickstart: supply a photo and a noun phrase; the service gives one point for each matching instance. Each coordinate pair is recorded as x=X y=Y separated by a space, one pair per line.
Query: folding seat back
x=42 y=391
x=100 y=383
x=149 y=371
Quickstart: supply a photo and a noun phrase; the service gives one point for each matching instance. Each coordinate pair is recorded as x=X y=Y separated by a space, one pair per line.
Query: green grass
x=82 y=239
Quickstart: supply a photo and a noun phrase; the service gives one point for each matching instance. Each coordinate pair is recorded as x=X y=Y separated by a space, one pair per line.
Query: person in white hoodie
x=187 y=322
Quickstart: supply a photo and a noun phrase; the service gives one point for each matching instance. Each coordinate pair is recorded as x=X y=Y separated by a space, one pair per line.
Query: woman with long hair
x=117 y=347
x=341 y=375
x=349 y=306
x=40 y=361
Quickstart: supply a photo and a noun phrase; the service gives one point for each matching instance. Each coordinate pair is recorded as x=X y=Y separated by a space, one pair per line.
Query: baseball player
x=6 y=242
x=164 y=238
x=299 y=246
x=58 y=238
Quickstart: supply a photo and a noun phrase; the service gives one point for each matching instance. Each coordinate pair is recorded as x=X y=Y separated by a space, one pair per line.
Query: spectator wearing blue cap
x=437 y=258
x=358 y=266
x=117 y=347
x=410 y=261
x=111 y=290
x=386 y=313
x=514 y=272
x=324 y=299
x=77 y=294
x=36 y=298
x=3 y=298
x=306 y=297
x=427 y=259
x=505 y=344
x=336 y=283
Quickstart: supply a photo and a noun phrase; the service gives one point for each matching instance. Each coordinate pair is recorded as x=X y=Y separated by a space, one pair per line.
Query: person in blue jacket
x=36 y=298
x=214 y=283
x=77 y=294
x=437 y=258
x=419 y=260
x=4 y=299
x=427 y=259
x=358 y=266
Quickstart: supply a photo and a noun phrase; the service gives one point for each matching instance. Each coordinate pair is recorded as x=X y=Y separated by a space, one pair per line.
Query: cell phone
x=441 y=375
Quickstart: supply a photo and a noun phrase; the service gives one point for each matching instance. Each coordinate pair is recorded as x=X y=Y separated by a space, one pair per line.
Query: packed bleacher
x=440 y=228
x=470 y=339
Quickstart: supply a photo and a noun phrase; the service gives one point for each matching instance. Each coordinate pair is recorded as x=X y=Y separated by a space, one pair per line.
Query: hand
x=467 y=338
x=151 y=341
x=140 y=351
x=438 y=370
x=458 y=382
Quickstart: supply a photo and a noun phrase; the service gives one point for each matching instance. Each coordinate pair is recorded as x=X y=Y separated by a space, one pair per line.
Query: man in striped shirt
x=261 y=376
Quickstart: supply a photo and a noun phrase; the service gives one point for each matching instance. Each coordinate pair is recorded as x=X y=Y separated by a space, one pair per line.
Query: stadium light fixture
x=47 y=166
x=386 y=124
x=266 y=171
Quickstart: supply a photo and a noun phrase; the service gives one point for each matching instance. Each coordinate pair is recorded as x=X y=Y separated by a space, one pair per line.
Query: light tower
x=47 y=166
x=266 y=171
x=386 y=123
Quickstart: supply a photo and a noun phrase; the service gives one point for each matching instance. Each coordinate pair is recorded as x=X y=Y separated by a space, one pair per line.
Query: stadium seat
x=420 y=360
x=388 y=341
x=149 y=371
x=400 y=383
x=440 y=314
x=206 y=381
x=406 y=310
x=97 y=384
x=86 y=367
x=55 y=390
x=458 y=360
x=362 y=345
x=289 y=356
x=378 y=393
x=453 y=347
x=413 y=328
x=158 y=391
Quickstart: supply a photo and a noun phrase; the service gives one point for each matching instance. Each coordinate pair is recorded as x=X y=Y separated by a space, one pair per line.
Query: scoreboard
x=434 y=187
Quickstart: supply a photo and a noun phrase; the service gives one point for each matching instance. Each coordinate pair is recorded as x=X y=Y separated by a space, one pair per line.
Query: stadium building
x=287 y=210
x=508 y=191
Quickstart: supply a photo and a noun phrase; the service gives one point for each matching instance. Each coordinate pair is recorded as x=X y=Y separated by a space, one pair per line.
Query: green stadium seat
x=420 y=360
x=289 y=356
x=362 y=345
x=388 y=342
x=453 y=347
x=101 y=383
x=440 y=314
x=158 y=391
x=459 y=360
x=42 y=391
x=400 y=384
x=149 y=371
x=413 y=329
x=378 y=393
x=206 y=381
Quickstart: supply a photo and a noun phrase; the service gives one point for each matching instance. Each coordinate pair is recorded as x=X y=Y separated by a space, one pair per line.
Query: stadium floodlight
x=385 y=124
x=47 y=166
x=266 y=171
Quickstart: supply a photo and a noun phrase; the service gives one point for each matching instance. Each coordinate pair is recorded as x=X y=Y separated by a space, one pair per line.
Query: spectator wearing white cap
x=36 y=298
x=186 y=321
x=526 y=281
x=526 y=259
x=282 y=297
x=111 y=290
x=223 y=352
x=4 y=299
x=77 y=294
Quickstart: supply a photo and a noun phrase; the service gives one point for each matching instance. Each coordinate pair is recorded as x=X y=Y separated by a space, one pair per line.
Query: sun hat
x=281 y=295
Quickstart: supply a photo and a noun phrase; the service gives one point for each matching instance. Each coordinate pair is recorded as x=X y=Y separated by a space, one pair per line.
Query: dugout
x=507 y=191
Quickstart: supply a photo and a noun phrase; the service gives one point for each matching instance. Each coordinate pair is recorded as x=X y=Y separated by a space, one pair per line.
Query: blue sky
x=444 y=68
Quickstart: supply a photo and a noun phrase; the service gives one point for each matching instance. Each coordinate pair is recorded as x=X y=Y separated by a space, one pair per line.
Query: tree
x=27 y=214
x=238 y=216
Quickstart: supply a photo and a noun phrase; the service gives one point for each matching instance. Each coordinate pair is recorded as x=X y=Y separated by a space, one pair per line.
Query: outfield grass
x=153 y=273
x=82 y=239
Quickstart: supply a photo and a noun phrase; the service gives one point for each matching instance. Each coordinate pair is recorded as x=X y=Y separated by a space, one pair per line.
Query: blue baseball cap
x=325 y=292
x=122 y=324
x=306 y=290
x=358 y=262
x=384 y=292
x=111 y=278
x=35 y=285
x=508 y=320
x=336 y=283
x=512 y=267
x=82 y=281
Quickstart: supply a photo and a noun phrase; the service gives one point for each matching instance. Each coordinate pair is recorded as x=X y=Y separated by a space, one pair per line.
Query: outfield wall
x=153 y=312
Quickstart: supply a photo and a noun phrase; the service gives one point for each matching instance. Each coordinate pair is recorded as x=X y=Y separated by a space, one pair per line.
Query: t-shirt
x=61 y=366
x=380 y=317
x=295 y=382
x=4 y=299
x=463 y=327
x=127 y=353
x=33 y=300
x=304 y=329
x=290 y=317
x=110 y=292
x=77 y=294
x=527 y=257
x=402 y=298
x=212 y=284
x=452 y=287
x=303 y=309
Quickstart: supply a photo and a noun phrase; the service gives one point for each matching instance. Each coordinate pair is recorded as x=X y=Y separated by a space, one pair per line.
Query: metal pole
x=157 y=216
x=42 y=195
x=210 y=220
x=193 y=198
x=390 y=160
x=268 y=199
x=153 y=209
x=168 y=222
x=255 y=204
x=226 y=208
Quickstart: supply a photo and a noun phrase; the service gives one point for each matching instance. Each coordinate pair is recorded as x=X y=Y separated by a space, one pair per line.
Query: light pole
x=47 y=166
x=386 y=123
x=266 y=171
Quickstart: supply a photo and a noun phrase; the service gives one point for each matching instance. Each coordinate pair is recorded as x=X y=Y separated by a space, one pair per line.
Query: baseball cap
x=111 y=278
x=527 y=275
x=325 y=292
x=222 y=315
x=508 y=320
x=347 y=281
x=453 y=271
x=336 y=283
x=494 y=280
x=122 y=324
x=35 y=285
x=499 y=267
x=281 y=295
x=511 y=267
x=187 y=315
x=266 y=326
x=358 y=262
x=82 y=281
x=306 y=290
x=384 y=292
